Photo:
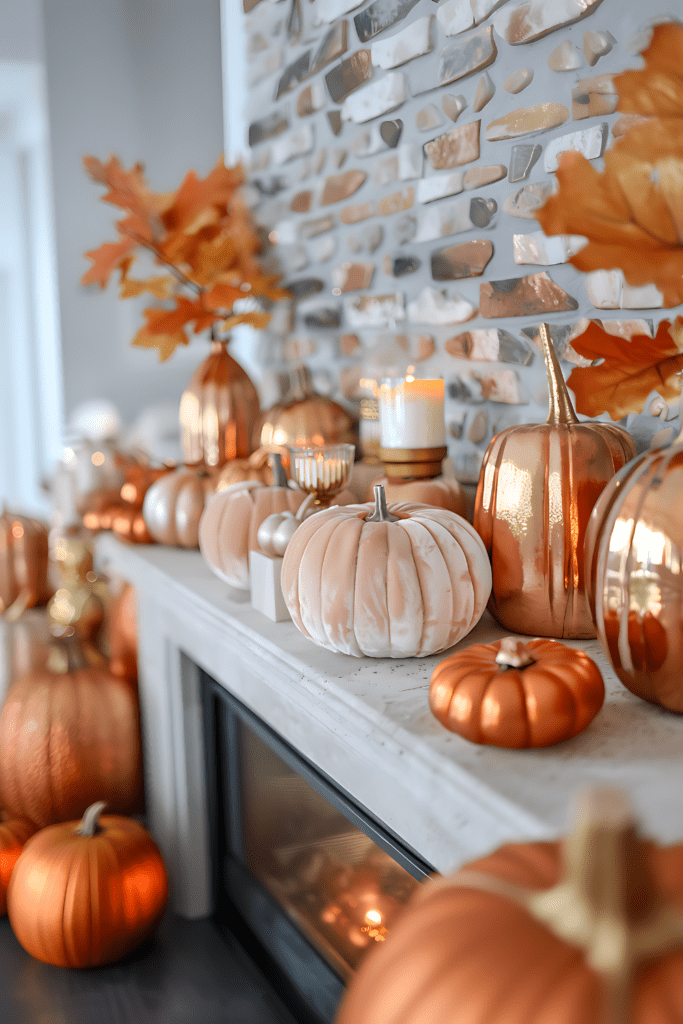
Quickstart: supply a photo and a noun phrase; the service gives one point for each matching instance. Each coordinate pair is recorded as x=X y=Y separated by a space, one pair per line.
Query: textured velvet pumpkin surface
x=384 y=589
x=463 y=956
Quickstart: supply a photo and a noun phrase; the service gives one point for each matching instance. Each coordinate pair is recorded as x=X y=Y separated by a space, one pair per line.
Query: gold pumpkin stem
x=381 y=513
x=561 y=408
x=90 y=823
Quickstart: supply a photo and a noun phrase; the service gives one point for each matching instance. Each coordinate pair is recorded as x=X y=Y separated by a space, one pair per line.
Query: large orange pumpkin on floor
x=398 y=582
x=67 y=736
x=585 y=932
x=87 y=893
x=515 y=694
x=13 y=834
x=537 y=488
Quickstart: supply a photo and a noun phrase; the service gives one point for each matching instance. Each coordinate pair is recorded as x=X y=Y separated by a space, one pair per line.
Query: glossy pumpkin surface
x=537 y=488
x=551 y=698
x=385 y=589
x=23 y=562
x=635 y=575
x=67 y=738
x=13 y=834
x=79 y=900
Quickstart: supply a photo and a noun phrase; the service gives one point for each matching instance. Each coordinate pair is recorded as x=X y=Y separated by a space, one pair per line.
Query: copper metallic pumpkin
x=398 y=582
x=229 y=526
x=537 y=488
x=128 y=523
x=13 y=834
x=87 y=893
x=256 y=467
x=68 y=735
x=635 y=575
x=23 y=562
x=219 y=411
x=515 y=694
x=304 y=418
x=173 y=506
x=122 y=633
x=587 y=931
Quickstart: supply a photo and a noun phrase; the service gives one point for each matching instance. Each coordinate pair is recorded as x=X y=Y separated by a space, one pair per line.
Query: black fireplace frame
x=306 y=985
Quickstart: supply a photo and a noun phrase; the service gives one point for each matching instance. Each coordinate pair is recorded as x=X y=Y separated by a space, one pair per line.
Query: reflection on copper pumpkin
x=256 y=467
x=128 y=523
x=537 y=488
x=635 y=575
x=23 y=563
x=123 y=634
x=219 y=411
x=587 y=931
x=303 y=417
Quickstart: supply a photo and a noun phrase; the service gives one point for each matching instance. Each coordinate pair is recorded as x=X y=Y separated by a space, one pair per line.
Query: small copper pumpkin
x=256 y=467
x=634 y=575
x=537 y=488
x=515 y=694
x=23 y=563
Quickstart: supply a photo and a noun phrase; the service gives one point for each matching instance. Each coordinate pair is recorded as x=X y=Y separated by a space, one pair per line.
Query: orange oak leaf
x=195 y=194
x=166 y=344
x=258 y=320
x=630 y=371
x=222 y=296
x=105 y=260
x=160 y=287
x=657 y=90
x=632 y=213
x=127 y=189
x=166 y=321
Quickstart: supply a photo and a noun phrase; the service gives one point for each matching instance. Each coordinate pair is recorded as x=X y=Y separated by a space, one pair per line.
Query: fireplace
x=303 y=876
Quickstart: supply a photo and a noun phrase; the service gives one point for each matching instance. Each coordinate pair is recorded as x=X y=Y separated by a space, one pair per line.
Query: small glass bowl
x=322 y=470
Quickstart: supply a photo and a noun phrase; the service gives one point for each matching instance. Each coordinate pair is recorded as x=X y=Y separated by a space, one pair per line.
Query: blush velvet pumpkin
x=399 y=582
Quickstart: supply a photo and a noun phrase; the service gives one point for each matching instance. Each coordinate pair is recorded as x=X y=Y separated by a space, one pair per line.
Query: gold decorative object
x=219 y=411
x=23 y=564
x=586 y=930
x=74 y=602
x=634 y=574
x=303 y=417
x=537 y=488
x=323 y=472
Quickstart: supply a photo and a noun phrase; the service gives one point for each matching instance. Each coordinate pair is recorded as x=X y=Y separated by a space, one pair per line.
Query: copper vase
x=219 y=411
x=303 y=417
x=634 y=571
x=537 y=488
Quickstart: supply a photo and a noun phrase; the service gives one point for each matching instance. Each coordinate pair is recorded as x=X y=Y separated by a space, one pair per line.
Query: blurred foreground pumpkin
x=13 y=834
x=122 y=630
x=588 y=931
x=23 y=563
x=256 y=467
x=87 y=893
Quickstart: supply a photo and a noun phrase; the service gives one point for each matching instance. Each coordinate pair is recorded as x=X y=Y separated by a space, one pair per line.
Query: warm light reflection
x=17 y=530
x=373 y=917
x=649 y=544
x=97 y=458
x=513 y=498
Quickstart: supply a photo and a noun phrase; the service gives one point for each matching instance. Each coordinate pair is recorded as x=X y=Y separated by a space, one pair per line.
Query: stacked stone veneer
x=398 y=149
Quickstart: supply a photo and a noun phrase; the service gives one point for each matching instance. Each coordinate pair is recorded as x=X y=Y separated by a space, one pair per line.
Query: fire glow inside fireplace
x=303 y=877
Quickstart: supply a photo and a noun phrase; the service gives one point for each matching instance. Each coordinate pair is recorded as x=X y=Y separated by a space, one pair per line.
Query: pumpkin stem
x=90 y=823
x=279 y=475
x=514 y=654
x=381 y=513
x=561 y=408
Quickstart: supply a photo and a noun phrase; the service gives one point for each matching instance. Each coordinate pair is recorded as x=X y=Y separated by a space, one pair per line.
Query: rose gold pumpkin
x=440 y=491
x=304 y=418
x=256 y=467
x=635 y=576
x=129 y=524
x=23 y=562
x=229 y=526
x=537 y=488
x=402 y=582
x=219 y=411
x=528 y=935
x=173 y=506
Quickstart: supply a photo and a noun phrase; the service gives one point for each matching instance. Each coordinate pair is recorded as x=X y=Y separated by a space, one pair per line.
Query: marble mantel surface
x=365 y=723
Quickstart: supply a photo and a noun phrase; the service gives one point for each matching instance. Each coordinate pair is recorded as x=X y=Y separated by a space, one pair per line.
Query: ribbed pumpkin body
x=83 y=901
x=174 y=504
x=385 y=589
x=462 y=956
x=67 y=740
x=23 y=562
x=537 y=488
x=635 y=575
x=13 y=834
x=219 y=411
x=229 y=525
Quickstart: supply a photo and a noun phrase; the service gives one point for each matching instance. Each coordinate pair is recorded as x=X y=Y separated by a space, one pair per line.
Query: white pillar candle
x=411 y=414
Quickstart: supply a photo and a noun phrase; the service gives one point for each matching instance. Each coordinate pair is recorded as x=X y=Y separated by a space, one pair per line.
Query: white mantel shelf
x=366 y=723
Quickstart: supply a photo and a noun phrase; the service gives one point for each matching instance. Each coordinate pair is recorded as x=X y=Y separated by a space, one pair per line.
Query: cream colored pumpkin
x=174 y=504
x=405 y=588
x=229 y=526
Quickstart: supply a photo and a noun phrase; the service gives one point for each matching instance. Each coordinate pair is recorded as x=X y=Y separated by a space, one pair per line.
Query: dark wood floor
x=187 y=974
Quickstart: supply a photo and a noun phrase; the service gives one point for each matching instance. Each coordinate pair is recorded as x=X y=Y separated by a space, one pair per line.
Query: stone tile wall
x=398 y=149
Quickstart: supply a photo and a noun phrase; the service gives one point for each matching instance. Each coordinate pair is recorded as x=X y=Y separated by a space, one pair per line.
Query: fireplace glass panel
x=342 y=890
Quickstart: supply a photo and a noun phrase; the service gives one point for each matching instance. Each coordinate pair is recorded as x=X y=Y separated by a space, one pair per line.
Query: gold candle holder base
x=413 y=462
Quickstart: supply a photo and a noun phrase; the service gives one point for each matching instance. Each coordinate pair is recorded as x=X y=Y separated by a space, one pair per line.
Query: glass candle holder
x=322 y=471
